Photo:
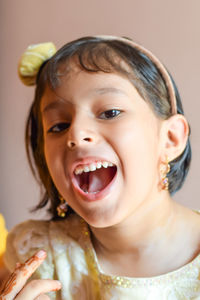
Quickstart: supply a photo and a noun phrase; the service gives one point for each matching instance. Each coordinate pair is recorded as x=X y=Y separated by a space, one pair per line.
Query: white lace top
x=72 y=260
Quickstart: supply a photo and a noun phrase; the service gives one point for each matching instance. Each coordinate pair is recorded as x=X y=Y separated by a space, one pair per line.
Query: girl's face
x=100 y=117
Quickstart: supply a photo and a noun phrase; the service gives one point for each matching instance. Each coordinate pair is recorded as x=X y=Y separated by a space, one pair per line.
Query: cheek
x=51 y=155
x=56 y=159
x=47 y=154
x=137 y=148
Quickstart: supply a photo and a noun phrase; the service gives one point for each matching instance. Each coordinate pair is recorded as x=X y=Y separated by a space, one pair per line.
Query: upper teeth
x=92 y=167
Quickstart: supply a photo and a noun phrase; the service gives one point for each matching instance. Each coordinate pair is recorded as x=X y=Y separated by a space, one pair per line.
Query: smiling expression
x=94 y=118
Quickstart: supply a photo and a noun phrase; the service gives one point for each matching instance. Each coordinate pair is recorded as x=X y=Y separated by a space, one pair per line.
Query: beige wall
x=171 y=29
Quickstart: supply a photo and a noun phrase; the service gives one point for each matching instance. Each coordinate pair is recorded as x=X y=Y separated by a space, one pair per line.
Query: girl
x=108 y=140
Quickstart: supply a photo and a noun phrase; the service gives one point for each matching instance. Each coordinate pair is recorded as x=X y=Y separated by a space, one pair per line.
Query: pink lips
x=91 y=196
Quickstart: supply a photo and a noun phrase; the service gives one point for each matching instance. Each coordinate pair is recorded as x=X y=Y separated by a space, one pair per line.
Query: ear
x=174 y=135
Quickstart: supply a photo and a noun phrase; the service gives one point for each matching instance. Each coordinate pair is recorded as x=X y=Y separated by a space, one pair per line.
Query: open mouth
x=94 y=180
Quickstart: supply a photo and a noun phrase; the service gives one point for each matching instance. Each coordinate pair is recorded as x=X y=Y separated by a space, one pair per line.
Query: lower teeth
x=86 y=192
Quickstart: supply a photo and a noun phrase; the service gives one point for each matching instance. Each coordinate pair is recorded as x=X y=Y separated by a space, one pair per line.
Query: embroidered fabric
x=72 y=260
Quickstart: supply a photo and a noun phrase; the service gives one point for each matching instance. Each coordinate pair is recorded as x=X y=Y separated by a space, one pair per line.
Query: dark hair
x=93 y=55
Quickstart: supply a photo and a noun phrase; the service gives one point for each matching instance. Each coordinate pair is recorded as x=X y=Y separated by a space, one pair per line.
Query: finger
x=18 y=265
x=22 y=272
x=42 y=297
x=37 y=287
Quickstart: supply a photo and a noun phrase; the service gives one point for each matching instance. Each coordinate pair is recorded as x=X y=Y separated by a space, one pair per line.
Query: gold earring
x=164 y=170
x=62 y=208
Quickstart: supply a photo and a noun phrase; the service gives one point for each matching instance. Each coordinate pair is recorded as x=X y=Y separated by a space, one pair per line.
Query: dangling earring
x=164 y=170
x=62 y=208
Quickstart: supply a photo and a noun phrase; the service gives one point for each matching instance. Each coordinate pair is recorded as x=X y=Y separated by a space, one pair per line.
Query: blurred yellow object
x=3 y=235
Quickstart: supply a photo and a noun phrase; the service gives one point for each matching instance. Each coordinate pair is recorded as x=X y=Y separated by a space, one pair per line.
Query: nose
x=73 y=143
x=81 y=135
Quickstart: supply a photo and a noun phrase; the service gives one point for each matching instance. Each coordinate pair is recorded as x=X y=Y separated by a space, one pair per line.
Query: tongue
x=97 y=180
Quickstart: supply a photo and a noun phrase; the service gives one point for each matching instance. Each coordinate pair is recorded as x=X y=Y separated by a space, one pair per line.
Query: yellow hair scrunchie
x=32 y=60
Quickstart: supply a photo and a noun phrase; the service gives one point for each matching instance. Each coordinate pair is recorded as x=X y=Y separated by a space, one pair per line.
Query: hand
x=17 y=289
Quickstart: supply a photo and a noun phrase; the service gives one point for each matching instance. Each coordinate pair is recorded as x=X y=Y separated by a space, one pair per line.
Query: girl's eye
x=59 y=127
x=109 y=114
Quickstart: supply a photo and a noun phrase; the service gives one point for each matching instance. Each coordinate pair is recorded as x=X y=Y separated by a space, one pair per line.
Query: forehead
x=81 y=88
x=106 y=60
x=63 y=74
x=73 y=73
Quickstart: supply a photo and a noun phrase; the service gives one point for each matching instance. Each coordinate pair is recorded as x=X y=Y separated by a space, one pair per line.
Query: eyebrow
x=99 y=91
x=53 y=105
x=109 y=90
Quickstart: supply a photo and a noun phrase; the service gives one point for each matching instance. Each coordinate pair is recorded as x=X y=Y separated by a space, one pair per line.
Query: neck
x=144 y=238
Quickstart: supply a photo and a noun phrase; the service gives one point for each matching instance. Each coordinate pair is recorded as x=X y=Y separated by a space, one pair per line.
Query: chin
x=101 y=218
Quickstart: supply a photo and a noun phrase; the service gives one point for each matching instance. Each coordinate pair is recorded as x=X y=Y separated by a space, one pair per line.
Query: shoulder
x=28 y=237
x=24 y=240
x=28 y=233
